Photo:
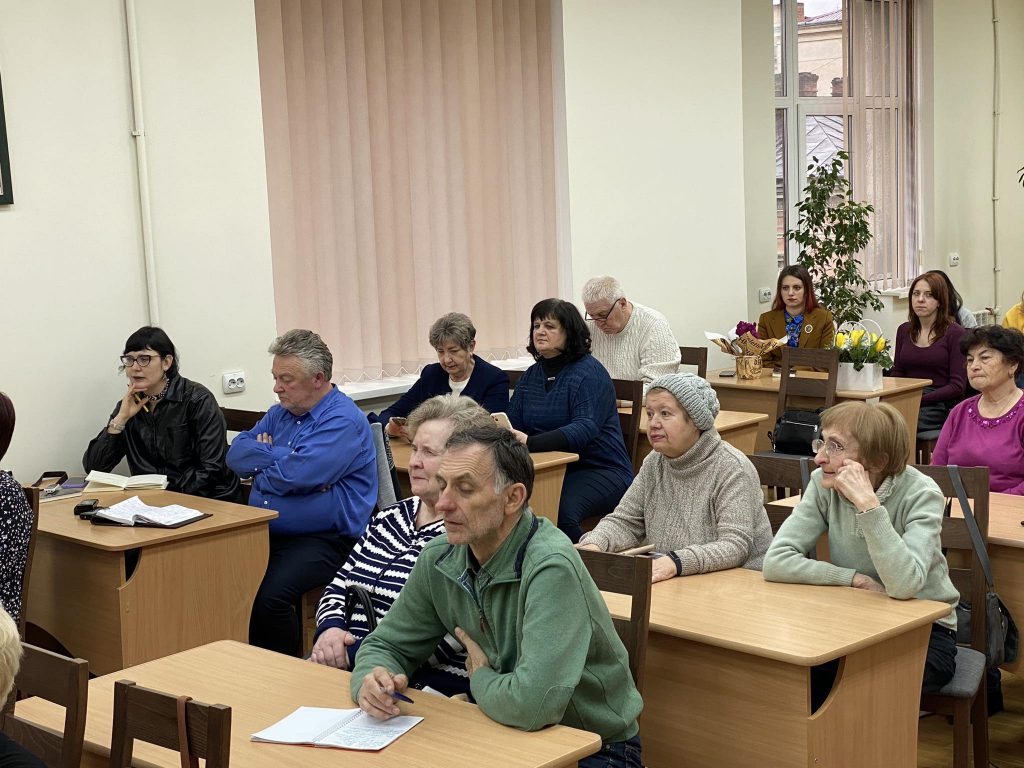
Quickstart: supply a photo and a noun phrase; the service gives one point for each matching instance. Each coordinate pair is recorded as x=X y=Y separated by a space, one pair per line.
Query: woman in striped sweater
x=382 y=560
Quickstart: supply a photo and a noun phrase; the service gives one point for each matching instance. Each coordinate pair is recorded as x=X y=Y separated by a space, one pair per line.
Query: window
x=843 y=82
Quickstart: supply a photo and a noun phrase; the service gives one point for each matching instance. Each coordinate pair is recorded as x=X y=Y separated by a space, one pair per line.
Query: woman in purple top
x=928 y=347
x=988 y=430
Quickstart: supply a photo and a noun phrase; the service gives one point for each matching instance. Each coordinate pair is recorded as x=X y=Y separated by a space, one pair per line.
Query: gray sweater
x=705 y=505
x=897 y=544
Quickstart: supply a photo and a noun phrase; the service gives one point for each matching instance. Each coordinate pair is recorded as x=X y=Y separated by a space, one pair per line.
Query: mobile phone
x=501 y=419
x=86 y=507
x=727 y=374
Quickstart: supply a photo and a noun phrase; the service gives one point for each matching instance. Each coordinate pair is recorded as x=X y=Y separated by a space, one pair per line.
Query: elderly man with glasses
x=635 y=342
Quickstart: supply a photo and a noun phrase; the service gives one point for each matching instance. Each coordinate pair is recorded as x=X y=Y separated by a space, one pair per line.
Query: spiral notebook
x=337 y=728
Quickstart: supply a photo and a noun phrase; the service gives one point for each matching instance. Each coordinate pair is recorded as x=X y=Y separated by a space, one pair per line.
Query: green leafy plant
x=831 y=229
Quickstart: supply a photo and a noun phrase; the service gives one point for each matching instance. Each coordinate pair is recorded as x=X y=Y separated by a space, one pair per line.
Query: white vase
x=867 y=379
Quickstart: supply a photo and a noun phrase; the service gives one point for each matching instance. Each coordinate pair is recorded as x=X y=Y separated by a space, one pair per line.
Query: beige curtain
x=410 y=170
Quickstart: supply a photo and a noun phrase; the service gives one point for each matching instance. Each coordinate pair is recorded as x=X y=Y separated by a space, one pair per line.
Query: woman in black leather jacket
x=165 y=424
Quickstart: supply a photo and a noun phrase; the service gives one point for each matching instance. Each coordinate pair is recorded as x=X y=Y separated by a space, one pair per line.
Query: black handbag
x=795 y=431
x=356 y=595
x=1002 y=645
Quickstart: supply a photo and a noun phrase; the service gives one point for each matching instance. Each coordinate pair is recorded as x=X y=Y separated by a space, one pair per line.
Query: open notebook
x=338 y=728
x=106 y=481
x=133 y=511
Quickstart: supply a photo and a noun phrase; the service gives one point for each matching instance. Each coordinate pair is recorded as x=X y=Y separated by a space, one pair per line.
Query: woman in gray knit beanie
x=697 y=499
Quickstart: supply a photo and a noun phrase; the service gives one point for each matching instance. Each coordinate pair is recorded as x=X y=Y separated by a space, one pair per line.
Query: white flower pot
x=867 y=379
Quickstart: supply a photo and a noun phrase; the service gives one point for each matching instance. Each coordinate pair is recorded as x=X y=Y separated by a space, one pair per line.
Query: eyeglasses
x=831 y=447
x=127 y=361
x=603 y=318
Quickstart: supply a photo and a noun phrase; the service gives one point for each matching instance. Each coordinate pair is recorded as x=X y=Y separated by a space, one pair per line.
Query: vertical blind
x=410 y=171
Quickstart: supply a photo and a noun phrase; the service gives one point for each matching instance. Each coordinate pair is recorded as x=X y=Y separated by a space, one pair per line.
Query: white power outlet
x=233 y=382
x=954 y=259
x=764 y=295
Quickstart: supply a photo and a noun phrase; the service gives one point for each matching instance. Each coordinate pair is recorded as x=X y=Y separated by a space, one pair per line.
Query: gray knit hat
x=694 y=394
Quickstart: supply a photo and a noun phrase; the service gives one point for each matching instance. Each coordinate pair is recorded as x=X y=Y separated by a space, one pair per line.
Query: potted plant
x=862 y=358
x=830 y=230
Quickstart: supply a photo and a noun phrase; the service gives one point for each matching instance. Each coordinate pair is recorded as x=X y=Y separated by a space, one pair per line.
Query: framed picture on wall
x=6 y=193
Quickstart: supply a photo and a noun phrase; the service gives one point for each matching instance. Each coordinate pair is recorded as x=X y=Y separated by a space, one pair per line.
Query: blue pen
x=401 y=697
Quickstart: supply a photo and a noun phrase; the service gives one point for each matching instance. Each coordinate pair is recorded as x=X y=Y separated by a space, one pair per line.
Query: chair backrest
x=801 y=386
x=152 y=716
x=633 y=391
x=32 y=496
x=626 y=575
x=513 y=378
x=695 y=356
x=387 y=480
x=971 y=581
x=63 y=681
x=241 y=421
x=785 y=473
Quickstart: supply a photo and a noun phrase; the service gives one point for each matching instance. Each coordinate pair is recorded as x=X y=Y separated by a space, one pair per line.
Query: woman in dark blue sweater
x=565 y=402
x=458 y=371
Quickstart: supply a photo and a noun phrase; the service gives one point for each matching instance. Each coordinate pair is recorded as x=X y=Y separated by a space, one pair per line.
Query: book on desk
x=135 y=512
x=100 y=482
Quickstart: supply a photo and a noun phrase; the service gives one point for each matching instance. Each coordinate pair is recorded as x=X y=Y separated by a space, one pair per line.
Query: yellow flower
x=880 y=344
x=874 y=337
x=840 y=339
x=856 y=336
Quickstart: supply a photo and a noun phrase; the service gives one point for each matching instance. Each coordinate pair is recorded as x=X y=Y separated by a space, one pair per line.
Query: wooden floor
x=1006 y=733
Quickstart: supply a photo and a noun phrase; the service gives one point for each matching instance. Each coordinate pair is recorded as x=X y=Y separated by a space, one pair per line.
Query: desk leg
x=547 y=492
x=191 y=592
x=1008 y=571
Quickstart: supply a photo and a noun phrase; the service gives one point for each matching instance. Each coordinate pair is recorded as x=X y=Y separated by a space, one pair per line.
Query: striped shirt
x=380 y=563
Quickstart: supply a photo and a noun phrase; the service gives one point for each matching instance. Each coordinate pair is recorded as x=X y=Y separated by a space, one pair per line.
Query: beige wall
x=70 y=248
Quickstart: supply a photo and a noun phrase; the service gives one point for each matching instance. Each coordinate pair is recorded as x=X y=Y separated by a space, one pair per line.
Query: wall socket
x=764 y=295
x=233 y=382
x=954 y=259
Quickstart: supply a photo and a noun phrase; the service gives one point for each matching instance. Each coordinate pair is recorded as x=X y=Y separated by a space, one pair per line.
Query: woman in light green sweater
x=697 y=499
x=883 y=521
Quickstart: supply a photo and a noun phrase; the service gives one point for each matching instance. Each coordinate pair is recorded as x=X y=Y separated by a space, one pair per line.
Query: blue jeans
x=617 y=754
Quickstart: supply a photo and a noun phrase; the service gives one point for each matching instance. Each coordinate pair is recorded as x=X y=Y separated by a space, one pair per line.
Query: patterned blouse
x=793 y=328
x=15 y=531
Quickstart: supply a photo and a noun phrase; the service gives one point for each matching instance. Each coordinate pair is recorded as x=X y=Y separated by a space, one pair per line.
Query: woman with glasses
x=883 y=521
x=165 y=424
x=796 y=314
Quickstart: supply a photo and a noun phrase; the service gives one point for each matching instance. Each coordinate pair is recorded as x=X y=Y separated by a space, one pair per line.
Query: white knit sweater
x=642 y=351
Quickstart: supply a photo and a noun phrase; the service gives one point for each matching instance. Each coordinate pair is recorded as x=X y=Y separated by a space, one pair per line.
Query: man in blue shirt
x=311 y=459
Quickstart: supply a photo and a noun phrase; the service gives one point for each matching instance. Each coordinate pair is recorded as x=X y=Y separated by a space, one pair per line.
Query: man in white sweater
x=632 y=341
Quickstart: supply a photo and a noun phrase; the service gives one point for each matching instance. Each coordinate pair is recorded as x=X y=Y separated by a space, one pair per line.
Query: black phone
x=727 y=374
x=86 y=507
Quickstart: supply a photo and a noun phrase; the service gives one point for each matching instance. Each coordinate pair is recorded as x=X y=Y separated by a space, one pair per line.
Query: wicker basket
x=748 y=367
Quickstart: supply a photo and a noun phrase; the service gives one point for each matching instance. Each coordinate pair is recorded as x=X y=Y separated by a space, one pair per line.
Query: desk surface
x=796 y=623
x=262 y=687
x=768 y=383
x=725 y=421
x=401 y=449
x=57 y=519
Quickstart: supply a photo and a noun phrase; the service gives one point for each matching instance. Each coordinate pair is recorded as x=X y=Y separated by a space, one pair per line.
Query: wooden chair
x=633 y=392
x=241 y=421
x=695 y=356
x=822 y=390
x=926 y=442
x=513 y=378
x=626 y=575
x=64 y=682
x=786 y=476
x=152 y=716
x=965 y=697
x=32 y=495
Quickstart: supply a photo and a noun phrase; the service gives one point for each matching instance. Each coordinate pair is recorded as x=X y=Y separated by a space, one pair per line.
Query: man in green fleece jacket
x=541 y=647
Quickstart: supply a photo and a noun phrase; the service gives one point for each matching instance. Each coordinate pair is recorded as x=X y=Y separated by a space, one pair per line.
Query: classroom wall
x=73 y=281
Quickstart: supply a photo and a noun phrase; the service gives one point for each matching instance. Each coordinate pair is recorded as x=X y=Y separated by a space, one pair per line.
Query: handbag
x=354 y=594
x=1002 y=645
x=795 y=431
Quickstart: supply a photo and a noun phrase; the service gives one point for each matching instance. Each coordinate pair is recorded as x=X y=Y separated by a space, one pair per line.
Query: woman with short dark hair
x=566 y=402
x=165 y=424
x=15 y=522
x=988 y=430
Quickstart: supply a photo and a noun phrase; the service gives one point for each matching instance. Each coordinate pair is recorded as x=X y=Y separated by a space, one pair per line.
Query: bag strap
x=188 y=760
x=355 y=593
x=972 y=524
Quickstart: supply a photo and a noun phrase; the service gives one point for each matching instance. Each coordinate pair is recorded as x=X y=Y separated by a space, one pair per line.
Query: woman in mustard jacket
x=796 y=315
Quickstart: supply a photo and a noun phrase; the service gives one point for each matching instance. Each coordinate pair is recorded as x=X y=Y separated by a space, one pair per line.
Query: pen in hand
x=400 y=696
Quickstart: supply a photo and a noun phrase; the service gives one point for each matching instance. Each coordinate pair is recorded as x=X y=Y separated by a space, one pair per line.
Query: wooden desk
x=762 y=396
x=549 y=468
x=736 y=428
x=728 y=681
x=261 y=687
x=190 y=586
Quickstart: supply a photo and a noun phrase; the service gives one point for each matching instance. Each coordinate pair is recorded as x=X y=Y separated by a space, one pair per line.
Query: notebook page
x=172 y=514
x=126 y=511
x=364 y=732
x=305 y=725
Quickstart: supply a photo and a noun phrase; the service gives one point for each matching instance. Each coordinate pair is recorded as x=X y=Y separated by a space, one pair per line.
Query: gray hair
x=454 y=326
x=308 y=347
x=10 y=653
x=602 y=288
x=460 y=411
x=510 y=458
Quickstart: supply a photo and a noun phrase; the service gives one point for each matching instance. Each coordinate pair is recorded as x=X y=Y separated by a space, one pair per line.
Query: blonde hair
x=10 y=653
x=460 y=411
x=879 y=430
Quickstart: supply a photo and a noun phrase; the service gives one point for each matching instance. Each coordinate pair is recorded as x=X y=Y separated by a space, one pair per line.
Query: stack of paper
x=106 y=481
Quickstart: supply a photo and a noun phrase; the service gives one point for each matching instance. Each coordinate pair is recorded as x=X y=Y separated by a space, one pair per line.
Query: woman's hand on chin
x=854 y=483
